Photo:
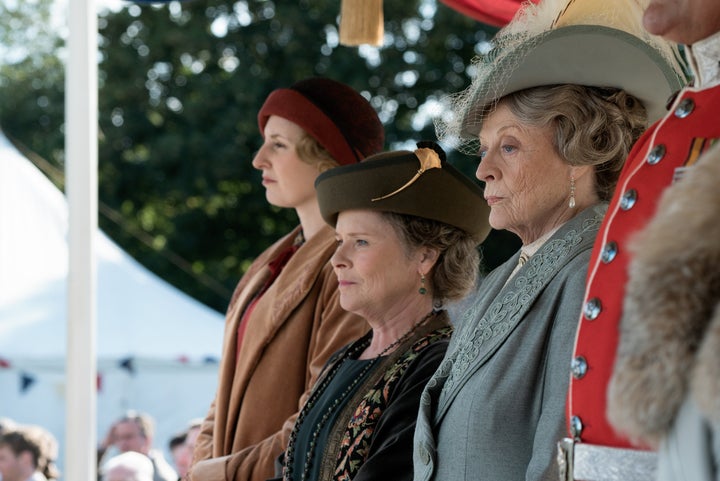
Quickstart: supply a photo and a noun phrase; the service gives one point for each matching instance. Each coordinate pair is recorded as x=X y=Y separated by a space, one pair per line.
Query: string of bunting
x=26 y=380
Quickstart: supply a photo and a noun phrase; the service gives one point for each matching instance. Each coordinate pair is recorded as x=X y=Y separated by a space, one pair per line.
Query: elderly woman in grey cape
x=555 y=108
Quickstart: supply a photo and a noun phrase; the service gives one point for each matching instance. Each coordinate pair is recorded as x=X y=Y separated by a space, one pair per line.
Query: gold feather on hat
x=429 y=159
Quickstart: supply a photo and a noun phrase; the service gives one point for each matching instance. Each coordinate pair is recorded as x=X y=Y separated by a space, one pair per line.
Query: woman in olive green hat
x=407 y=225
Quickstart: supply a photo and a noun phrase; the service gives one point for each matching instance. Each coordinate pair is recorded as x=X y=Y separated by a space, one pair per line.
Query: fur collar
x=670 y=331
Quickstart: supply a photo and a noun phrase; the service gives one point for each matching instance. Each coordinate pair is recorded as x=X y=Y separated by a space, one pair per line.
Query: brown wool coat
x=293 y=330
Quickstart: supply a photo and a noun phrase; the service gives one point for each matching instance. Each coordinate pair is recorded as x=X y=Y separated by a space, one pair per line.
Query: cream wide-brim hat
x=594 y=43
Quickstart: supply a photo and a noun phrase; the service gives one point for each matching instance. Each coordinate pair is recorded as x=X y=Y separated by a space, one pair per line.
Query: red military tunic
x=674 y=142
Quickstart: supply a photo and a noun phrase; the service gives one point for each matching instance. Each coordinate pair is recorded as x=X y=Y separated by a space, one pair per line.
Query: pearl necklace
x=318 y=391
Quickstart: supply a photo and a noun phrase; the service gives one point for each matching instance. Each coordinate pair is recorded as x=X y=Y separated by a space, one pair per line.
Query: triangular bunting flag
x=26 y=381
x=128 y=365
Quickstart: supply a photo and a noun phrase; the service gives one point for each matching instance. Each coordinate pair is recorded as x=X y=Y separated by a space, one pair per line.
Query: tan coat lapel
x=225 y=409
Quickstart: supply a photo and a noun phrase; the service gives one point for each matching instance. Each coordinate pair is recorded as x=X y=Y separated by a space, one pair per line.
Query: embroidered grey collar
x=527 y=251
x=535 y=245
x=704 y=59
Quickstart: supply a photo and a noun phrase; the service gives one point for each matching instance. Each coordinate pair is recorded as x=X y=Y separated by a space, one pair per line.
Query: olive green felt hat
x=419 y=183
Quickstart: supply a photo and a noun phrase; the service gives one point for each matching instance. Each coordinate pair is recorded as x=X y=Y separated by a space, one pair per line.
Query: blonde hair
x=311 y=152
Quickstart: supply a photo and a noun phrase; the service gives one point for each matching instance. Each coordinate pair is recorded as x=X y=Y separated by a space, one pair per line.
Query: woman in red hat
x=284 y=319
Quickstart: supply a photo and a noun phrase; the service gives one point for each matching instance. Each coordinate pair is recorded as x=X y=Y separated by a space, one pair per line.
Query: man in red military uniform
x=595 y=451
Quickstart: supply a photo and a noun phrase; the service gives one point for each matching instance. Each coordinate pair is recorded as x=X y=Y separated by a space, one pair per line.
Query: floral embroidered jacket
x=372 y=437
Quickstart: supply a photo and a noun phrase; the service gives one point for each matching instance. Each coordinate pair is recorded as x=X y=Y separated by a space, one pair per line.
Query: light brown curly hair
x=592 y=126
x=456 y=269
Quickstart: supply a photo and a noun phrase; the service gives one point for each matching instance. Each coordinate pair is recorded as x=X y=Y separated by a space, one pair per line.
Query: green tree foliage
x=180 y=88
x=31 y=76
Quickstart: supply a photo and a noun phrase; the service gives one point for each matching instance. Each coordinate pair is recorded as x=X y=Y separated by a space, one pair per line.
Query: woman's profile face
x=288 y=180
x=527 y=184
x=377 y=276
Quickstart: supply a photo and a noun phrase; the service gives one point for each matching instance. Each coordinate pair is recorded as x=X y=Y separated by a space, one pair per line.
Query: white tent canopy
x=156 y=347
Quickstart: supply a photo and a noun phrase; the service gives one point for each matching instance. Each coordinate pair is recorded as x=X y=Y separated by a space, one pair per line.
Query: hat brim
x=443 y=194
x=295 y=107
x=589 y=55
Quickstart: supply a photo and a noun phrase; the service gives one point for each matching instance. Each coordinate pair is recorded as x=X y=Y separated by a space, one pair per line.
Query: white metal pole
x=81 y=159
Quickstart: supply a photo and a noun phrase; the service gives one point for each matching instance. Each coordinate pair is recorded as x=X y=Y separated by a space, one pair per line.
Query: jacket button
x=685 y=108
x=609 y=251
x=656 y=154
x=628 y=199
x=592 y=309
x=424 y=455
x=579 y=367
x=576 y=427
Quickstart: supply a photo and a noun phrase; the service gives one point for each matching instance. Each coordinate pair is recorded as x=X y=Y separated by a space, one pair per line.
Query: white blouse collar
x=704 y=59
